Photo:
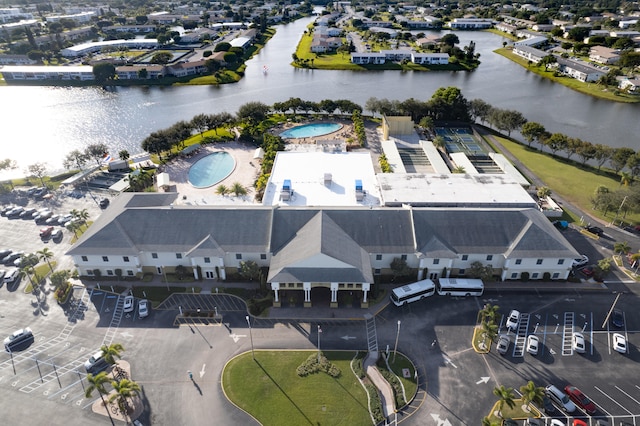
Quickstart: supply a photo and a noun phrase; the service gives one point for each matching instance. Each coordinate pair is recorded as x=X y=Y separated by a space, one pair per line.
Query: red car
x=578 y=422
x=580 y=399
x=588 y=271
x=46 y=232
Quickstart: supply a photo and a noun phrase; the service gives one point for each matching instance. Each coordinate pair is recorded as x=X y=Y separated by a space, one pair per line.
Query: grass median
x=270 y=390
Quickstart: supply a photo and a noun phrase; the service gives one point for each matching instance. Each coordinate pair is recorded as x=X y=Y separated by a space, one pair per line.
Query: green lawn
x=271 y=391
x=575 y=184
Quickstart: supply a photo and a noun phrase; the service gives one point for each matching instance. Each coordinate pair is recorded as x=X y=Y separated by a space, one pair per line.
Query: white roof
x=307 y=170
x=453 y=190
x=48 y=69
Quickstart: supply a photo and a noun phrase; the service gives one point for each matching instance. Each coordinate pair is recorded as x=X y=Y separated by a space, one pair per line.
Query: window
x=539 y=262
x=263 y=256
x=130 y=273
x=85 y=259
x=514 y=275
x=207 y=260
x=109 y=272
x=436 y=261
x=560 y=261
x=403 y=257
x=489 y=257
x=376 y=271
x=238 y=256
x=154 y=255
x=89 y=272
x=461 y=271
x=465 y=257
x=125 y=258
x=534 y=275
x=555 y=275
x=378 y=257
x=178 y=255
x=518 y=261
x=105 y=258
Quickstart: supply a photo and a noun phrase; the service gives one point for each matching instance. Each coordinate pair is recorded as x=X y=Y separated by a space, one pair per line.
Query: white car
x=582 y=261
x=619 y=343
x=578 y=343
x=513 y=320
x=128 y=304
x=503 y=344
x=532 y=344
x=143 y=308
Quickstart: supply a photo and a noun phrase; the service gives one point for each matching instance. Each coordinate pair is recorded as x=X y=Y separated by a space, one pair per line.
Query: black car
x=617 y=318
x=104 y=203
x=10 y=258
x=595 y=230
x=5 y=252
x=548 y=406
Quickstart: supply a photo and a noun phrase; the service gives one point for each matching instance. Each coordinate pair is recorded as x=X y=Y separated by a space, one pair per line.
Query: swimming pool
x=310 y=130
x=211 y=169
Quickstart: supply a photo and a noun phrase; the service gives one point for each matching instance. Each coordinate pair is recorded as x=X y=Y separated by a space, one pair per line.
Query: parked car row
x=129 y=306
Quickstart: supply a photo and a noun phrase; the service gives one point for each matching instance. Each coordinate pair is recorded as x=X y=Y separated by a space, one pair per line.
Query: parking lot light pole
x=395 y=348
x=251 y=337
x=611 y=310
x=319 y=333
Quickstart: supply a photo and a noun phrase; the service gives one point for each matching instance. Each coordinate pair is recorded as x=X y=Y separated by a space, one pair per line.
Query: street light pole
x=319 y=333
x=395 y=348
x=251 y=337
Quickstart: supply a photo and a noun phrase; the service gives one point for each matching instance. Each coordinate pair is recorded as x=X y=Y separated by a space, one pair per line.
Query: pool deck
x=245 y=172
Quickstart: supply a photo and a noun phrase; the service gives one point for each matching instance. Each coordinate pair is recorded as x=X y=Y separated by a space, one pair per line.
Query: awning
x=258 y=154
x=163 y=179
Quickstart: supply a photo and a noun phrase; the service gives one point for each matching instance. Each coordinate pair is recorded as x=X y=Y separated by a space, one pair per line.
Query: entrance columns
x=306 y=287
x=334 y=295
x=275 y=287
x=366 y=287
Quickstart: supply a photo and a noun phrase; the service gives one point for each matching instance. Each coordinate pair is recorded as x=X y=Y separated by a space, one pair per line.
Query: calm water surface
x=43 y=124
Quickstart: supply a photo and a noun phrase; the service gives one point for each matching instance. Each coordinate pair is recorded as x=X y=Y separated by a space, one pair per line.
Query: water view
x=43 y=124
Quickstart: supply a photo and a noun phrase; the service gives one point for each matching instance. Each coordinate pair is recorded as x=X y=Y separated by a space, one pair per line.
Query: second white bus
x=460 y=287
x=412 y=292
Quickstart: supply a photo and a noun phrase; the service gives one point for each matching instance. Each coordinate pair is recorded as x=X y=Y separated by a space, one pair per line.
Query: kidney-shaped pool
x=211 y=169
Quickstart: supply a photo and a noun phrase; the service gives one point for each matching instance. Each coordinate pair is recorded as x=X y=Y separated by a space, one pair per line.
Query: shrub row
x=356 y=364
x=312 y=366
x=391 y=378
x=376 y=404
x=384 y=164
x=358 y=127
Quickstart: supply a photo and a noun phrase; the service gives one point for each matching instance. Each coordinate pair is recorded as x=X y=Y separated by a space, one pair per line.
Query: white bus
x=460 y=287
x=412 y=292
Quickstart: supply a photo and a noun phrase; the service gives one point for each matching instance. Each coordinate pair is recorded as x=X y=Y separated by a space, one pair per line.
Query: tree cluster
x=358 y=127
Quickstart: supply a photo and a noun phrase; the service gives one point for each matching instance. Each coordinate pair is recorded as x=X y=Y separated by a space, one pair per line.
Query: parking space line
x=630 y=397
x=591 y=333
x=612 y=400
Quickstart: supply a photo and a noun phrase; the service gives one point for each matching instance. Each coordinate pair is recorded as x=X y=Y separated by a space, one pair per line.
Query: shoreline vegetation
x=591 y=89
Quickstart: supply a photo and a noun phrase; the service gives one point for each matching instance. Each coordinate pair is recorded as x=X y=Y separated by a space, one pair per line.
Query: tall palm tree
x=96 y=383
x=490 y=312
x=125 y=389
x=621 y=247
x=505 y=396
x=73 y=227
x=46 y=254
x=112 y=352
x=26 y=270
x=490 y=330
x=83 y=215
x=532 y=393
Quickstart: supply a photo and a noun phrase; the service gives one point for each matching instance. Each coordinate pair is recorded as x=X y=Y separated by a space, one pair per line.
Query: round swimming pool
x=310 y=130
x=211 y=169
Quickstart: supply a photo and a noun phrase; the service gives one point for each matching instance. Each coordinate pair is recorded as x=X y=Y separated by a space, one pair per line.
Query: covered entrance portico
x=322 y=293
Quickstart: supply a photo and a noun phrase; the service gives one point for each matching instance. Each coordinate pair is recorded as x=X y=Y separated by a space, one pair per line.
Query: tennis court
x=459 y=139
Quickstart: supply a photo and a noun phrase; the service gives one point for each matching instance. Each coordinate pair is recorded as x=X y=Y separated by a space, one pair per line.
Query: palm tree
x=97 y=383
x=490 y=330
x=46 y=254
x=83 y=215
x=622 y=248
x=26 y=270
x=625 y=178
x=459 y=170
x=505 y=396
x=532 y=393
x=439 y=142
x=238 y=189
x=112 y=352
x=125 y=389
x=543 y=192
x=73 y=227
x=222 y=190
x=490 y=312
